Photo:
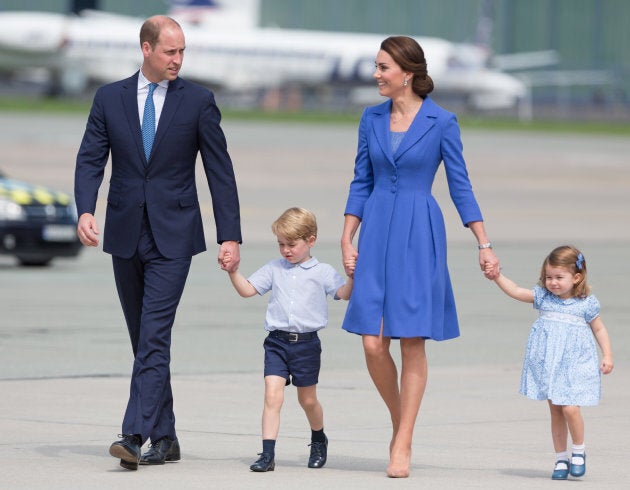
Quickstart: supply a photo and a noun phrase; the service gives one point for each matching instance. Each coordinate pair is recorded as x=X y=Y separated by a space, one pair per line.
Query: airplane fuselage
x=104 y=48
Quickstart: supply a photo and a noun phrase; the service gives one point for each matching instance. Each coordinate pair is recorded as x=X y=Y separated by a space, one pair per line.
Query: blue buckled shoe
x=264 y=463
x=577 y=469
x=561 y=471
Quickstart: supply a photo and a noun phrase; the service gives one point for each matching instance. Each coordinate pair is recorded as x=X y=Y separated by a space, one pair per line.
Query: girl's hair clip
x=579 y=263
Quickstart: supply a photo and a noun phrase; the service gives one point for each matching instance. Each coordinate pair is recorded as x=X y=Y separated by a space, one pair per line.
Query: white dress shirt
x=159 y=95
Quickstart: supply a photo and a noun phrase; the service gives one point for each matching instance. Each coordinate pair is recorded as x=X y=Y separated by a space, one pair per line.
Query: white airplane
x=226 y=50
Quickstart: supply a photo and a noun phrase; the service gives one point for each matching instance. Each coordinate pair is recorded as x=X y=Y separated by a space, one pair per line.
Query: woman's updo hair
x=408 y=54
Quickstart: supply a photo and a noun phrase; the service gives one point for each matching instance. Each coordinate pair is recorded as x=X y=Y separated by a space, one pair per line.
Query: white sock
x=578 y=451
x=577 y=448
x=562 y=461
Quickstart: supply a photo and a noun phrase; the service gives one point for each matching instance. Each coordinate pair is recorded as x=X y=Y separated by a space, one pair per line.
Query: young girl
x=561 y=364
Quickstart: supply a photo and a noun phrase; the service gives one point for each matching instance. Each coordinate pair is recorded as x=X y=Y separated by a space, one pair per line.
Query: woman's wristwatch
x=481 y=246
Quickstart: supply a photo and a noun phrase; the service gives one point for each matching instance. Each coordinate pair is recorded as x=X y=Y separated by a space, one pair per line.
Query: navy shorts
x=297 y=361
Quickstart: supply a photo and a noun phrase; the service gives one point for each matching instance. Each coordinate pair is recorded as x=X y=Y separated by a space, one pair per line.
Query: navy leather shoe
x=264 y=463
x=319 y=453
x=561 y=471
x=128 y=466
x=577 y=469
x=127 y=450
x=162 y=451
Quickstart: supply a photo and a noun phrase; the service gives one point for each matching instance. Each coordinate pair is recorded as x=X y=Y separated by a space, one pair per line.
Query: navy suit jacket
x=165 y=185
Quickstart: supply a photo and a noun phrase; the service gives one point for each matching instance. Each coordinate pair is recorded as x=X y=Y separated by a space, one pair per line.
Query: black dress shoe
x=162 y=451
x=128 y=450
x=319 y=452
x=128 y=466
x=264 y=463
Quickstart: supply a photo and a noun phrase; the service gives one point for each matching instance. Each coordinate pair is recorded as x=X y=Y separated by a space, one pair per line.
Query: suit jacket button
x=141 y=204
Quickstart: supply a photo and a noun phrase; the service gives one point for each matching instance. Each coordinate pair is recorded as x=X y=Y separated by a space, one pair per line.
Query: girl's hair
x=295 y=224
x=408 y=54
x=571 y=259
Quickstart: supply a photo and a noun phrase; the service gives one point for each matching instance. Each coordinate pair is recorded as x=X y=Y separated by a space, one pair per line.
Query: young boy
x=297 y=309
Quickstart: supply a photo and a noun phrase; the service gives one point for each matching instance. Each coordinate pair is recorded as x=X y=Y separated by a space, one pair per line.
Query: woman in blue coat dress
x=402 y=286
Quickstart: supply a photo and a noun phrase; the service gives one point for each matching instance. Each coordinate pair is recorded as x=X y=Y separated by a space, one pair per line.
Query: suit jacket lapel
x=424 y=120
x=130 y=104
x=171 y=103
x=381 y=129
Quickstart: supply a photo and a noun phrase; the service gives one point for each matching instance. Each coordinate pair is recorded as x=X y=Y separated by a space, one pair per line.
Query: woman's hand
x=489 y=263
x=349 y=256
x=349 y=265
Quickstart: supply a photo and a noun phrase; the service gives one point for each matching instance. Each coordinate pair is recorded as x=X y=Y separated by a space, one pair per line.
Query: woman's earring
x=405 y=83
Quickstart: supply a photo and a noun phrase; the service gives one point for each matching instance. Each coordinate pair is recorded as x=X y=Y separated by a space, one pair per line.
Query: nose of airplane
x=37 y=33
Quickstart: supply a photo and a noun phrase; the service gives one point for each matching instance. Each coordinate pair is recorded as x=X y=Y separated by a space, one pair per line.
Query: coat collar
x=424 y=120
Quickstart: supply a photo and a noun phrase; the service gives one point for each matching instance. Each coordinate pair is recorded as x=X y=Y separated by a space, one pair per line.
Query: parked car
x=37 y=224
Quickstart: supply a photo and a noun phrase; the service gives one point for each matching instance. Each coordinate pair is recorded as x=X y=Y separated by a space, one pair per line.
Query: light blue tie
x=148 y=122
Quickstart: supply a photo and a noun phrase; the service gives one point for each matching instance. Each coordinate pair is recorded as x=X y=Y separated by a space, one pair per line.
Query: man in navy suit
x=153 y=223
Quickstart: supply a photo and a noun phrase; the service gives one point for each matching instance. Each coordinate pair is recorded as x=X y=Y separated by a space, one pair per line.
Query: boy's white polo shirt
x=299 y=293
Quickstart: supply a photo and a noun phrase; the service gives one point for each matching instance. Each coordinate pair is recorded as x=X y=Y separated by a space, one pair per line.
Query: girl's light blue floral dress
x=561 y=362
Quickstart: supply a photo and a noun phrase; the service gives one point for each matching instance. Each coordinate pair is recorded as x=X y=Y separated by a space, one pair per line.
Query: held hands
x=227 y=259
x=87 y=230
x=349 y=256
x=349 y=265
x=489 y=264
x=227 y=263
x=490 y=272
x=229 y=256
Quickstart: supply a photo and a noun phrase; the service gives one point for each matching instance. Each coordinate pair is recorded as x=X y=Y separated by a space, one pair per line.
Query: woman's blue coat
x=401 y=275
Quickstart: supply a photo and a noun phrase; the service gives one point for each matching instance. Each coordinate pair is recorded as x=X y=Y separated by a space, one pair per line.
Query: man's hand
x=230 y=262
x=87 y=230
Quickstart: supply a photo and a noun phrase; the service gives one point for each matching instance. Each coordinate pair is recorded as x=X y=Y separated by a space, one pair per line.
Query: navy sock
x=318 y=435
x=269 y=447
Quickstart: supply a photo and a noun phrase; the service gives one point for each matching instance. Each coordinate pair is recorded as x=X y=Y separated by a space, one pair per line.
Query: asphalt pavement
x=65 y=358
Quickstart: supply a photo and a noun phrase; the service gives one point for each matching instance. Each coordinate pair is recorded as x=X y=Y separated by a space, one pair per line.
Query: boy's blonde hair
x=295 y=224
x=571 y=259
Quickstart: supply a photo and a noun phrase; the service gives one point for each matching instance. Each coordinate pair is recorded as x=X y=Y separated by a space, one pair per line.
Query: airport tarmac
x=65 y=358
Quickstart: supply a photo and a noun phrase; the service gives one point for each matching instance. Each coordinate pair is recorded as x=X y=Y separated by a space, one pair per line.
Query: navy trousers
x=149 y=288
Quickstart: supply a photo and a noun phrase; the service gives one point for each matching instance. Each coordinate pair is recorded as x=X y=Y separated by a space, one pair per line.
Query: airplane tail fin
x=485 y=24
x=217 y=14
